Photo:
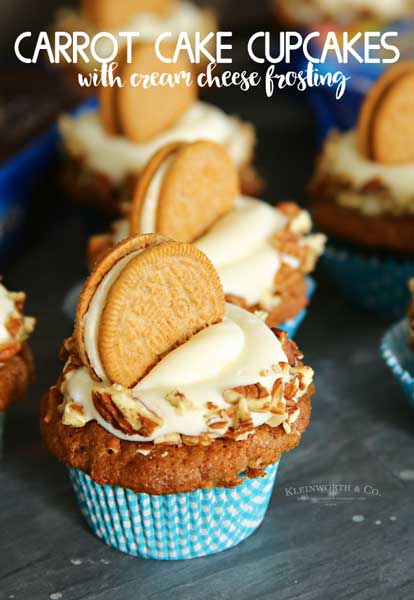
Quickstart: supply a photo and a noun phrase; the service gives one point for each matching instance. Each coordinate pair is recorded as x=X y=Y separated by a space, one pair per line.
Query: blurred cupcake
x=363 y=197
x=397 y=349
x=305 y=13
x=190 y=193
x=16 y=359
x=173 y=408
x=150 y=17
x=106 y=150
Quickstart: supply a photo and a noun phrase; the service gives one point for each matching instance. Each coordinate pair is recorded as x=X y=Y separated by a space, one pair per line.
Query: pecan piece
x=110 y=412
x=290 y=348
x=8 y=350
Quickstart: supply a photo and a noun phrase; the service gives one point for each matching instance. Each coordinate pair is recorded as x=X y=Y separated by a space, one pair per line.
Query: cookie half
x=386 y=123
x=163 y=295
x=107 y=14
x=200 y=185
x=141 y=113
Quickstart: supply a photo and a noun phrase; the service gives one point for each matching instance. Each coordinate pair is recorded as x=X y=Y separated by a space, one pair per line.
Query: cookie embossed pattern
x=172 y=421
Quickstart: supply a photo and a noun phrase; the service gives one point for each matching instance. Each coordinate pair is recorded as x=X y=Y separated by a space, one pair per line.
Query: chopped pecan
x=179 y=401
x=237 y=300
x=289 y=209
x=69 y=349
x=375 y=185
x=293 y=354
x=8 y=350
x=111 y=413
x=169 y=439
x=254 y=391
x=14 y=325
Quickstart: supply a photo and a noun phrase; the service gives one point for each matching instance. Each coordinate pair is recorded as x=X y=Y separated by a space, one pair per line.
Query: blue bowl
x=173 y=526
x=368 y=280
x=342 y=114
x=18 y=175
x=399 y=358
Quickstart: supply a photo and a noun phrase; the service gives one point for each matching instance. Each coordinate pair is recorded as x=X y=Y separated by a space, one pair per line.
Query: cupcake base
x=373 y=282
x=399 y=358
x=173 y=526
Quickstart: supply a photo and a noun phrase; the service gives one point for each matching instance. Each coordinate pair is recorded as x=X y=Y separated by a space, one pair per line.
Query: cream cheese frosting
x=189 y=392
x=114 y=156
x=246 y=269
x=185 y=16
x=14 y=327
x=342 y=160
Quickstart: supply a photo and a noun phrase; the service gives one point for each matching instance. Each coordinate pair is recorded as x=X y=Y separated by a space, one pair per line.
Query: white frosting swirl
x=239 y=246
x=116 y=157
x=341 y=159
x=239 y=351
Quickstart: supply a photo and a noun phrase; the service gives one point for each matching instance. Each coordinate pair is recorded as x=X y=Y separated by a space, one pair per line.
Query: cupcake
x=305 y=13
x=397 y=349
x=150 y=17
x=363 y=198
x=173 y=408
x=189 y=191
x=105 y=150
x=16 y=359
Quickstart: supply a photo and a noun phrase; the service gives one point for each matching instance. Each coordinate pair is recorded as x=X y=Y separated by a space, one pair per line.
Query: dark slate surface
x=358 y=546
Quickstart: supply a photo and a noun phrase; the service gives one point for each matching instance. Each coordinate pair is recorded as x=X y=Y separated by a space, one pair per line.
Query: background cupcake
x=16 y=360
x=362 y=195
x=190 y=193
x=173 y=409
x=106 y=149
x=149 y=17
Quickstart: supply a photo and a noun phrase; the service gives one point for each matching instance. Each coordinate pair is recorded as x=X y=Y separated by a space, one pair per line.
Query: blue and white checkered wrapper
x=369 y=281
x=399 y=358
x=173 y=526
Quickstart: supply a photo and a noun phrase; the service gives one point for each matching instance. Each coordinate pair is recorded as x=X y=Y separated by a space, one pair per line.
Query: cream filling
x=93 y=315
x=241 y=350
x=185 y=16
x=239 y=246
x=341 y=159
x=116 y=157
x=7 y=309
x=149 y=210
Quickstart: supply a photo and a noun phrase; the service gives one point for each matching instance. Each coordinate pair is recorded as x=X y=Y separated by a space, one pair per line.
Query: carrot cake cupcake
x=150 y=17
x=190 y=192
x=105 y=150
x=16 y=359
x=173 y=408
x=363 y=196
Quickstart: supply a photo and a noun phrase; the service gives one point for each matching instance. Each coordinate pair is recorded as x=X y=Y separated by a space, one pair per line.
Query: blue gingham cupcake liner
x=291 y=326
x=399 y=358
x=376 y=283
x=173 y=526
